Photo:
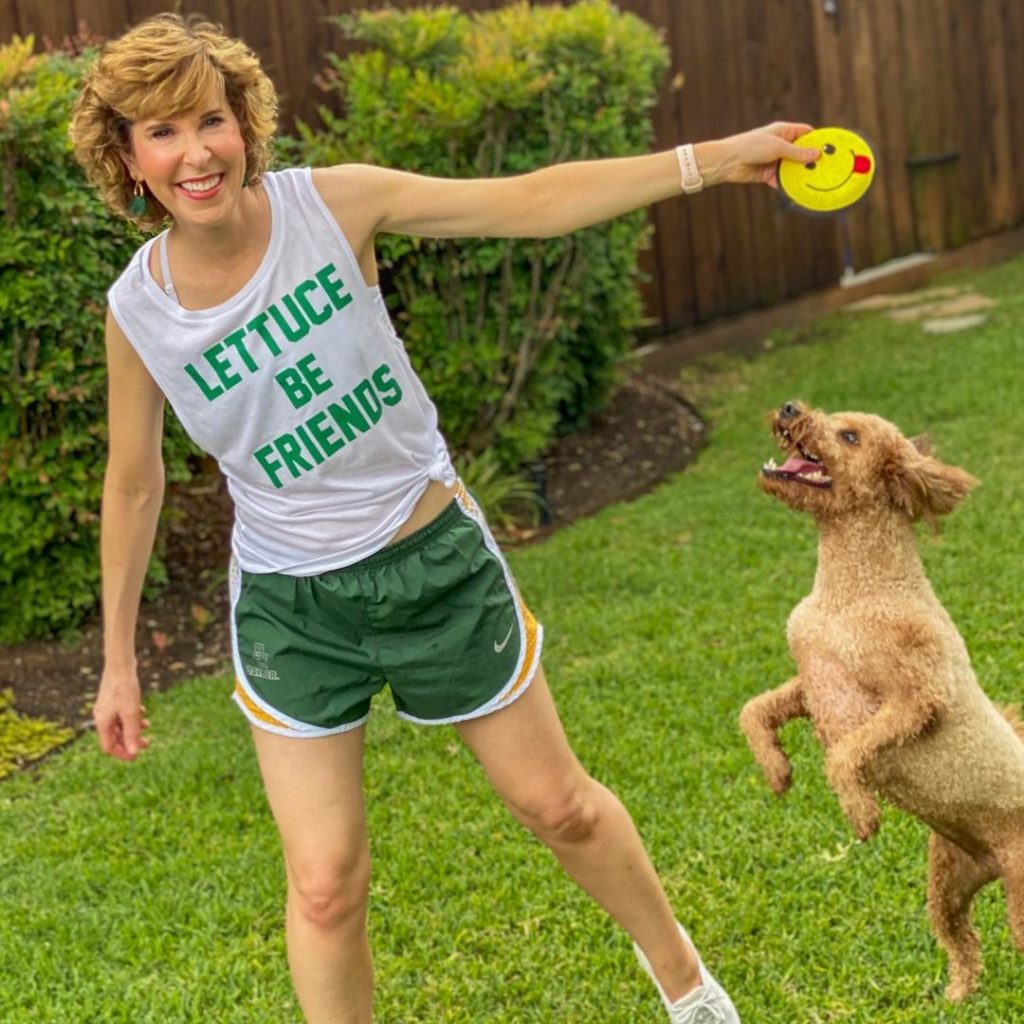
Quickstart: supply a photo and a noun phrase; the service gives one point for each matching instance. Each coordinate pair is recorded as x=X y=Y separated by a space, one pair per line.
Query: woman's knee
x=329 y=892
x=563 y=814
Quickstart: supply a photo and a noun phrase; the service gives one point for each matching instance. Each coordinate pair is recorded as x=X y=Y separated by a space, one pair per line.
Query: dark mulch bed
x=647 y=432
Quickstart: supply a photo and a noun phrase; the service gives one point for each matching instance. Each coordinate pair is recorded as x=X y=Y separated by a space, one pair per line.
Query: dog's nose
x=789 y=411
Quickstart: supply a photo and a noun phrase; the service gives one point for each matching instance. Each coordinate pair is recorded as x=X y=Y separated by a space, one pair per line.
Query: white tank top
x=300 y=388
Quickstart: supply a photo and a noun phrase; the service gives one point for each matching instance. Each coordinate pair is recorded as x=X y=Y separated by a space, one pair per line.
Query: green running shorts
x=437 y=616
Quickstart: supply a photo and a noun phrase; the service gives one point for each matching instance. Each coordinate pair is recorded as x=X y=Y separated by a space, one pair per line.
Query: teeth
x=201 y=186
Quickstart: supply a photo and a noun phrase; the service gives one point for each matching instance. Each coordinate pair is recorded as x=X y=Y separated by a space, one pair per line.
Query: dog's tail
x=1012 y=714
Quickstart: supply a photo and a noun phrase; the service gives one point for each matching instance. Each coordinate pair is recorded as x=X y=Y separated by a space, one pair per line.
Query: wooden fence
x=937 y=85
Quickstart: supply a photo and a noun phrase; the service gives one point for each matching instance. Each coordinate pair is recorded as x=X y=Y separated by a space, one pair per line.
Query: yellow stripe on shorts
x=256 y=711
x=525 y=673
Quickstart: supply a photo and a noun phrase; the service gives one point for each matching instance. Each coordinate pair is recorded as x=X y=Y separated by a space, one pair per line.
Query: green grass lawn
x=152 y=893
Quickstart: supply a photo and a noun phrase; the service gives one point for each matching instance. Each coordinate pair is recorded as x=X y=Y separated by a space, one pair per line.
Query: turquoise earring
x=137 y=207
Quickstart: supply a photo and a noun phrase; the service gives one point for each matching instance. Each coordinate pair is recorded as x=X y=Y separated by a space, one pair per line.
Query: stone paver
x=962 y=304
x=894 y=300
x=949 y=324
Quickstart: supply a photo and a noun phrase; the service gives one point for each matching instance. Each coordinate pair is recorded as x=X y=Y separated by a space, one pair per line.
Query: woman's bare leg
x=524 y=751
x=315 y=789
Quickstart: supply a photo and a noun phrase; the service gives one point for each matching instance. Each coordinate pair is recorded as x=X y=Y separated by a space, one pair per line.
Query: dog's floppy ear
x=924 y=487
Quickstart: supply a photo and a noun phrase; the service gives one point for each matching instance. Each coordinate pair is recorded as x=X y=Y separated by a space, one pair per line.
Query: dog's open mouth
x=801 y=465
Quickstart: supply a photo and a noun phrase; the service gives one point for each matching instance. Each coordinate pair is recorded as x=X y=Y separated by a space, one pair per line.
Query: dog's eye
x=849 y=436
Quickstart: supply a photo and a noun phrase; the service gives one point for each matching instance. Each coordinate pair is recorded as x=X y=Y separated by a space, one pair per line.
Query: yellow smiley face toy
x=840 y=177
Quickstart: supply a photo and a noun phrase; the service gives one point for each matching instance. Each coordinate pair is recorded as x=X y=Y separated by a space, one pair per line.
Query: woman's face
x=193 y=163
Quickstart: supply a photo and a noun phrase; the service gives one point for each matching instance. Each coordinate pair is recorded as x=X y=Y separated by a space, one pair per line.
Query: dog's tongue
x=798 y=466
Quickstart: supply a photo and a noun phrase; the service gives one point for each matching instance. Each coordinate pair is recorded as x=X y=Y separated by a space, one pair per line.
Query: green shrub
x=512 y=338
x=59 y=252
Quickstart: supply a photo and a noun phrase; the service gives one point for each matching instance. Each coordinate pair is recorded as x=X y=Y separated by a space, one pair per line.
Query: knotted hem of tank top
x=443 y=472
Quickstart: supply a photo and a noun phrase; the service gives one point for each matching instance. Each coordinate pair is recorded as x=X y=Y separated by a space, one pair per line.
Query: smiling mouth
x=202 y=186
x=804 y=467
x=861 y=165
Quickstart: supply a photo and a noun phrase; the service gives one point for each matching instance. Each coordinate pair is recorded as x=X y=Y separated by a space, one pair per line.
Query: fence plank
x=739 y=206
x=924 y=28
x=101 y=17
x=763 y=90
x=677 y=272
x=139 y=10
x=807 y=248
x=1013 y=38
x=704 y=231
x=870 y=221
x=219 y=12
x=892 y=174
x=45 y=21
x=666 y=301
x=973 y=132
x=1000 y=184
x=952 y=181
x=9 y=26
x=302 y=54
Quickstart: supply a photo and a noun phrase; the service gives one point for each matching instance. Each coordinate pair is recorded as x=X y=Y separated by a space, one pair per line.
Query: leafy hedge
x=59 y=252
x=513 y=339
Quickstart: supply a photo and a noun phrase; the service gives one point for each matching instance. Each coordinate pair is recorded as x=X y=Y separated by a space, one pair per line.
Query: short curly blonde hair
x=159 y=69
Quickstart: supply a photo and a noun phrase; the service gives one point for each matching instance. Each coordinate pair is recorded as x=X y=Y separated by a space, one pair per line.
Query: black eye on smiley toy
x=840 y=177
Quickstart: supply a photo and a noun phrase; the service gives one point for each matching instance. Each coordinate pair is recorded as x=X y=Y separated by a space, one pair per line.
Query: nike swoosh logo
x=498 y=648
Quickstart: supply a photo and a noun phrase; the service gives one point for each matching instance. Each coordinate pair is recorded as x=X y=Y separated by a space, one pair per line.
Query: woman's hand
x=752 y=157
x=119 y=716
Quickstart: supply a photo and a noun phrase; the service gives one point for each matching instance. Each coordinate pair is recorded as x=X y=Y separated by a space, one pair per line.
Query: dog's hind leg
x=761 y=719
x=1012 y=862
x=1011 y=855
x=954 y=876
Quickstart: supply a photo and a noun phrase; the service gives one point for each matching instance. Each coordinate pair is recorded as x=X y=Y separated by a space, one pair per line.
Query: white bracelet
x=692 y=181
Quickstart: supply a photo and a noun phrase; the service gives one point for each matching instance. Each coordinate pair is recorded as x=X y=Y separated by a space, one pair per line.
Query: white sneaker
x=706 y=1004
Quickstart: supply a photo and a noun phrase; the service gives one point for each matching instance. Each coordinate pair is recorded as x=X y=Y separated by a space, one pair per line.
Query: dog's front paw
x=961 y=987
x=858 y=803
x=779 y=773
x=862 y=812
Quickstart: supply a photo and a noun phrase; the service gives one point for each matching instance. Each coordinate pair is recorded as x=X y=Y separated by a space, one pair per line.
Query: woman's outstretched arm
x=548 y=202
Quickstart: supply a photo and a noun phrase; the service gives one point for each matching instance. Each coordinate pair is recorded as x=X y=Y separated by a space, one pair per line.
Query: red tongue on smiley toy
x=861 y=164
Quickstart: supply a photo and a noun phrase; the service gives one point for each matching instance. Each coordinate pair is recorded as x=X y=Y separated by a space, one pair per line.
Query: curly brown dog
x=883 y=674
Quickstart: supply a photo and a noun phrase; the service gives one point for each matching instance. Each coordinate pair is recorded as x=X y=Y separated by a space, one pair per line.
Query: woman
x=358 y=558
